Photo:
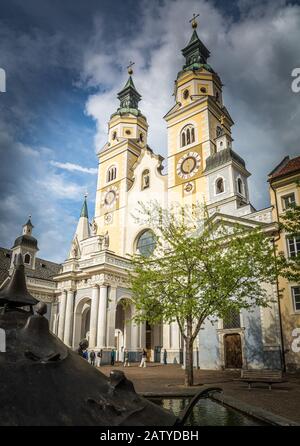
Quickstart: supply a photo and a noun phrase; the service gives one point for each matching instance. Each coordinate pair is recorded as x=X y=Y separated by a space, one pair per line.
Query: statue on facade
x=74 y=249
x=94 y=227
x=106 y=240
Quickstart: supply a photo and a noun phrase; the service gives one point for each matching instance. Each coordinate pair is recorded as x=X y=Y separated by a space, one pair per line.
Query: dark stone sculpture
x=43 y=382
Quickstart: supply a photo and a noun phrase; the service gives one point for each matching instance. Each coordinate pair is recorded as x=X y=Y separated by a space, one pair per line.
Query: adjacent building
x=39 y=272
x=203 y=167
x=284 y=183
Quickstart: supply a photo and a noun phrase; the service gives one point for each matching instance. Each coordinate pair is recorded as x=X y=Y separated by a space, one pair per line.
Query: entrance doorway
x=233 y=351
x=153 y=342
x=82 y=317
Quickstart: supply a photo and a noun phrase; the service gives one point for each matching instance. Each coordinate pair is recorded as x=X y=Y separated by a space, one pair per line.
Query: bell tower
x=127 y=136
x=193 y=122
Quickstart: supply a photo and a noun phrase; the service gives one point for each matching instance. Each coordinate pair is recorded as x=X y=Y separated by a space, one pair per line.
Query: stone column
x=111 y=317
x=101 y=333
x=62 y=312
x=94 y=316
x=69 y=317
x=134 y=331
x=143 y=334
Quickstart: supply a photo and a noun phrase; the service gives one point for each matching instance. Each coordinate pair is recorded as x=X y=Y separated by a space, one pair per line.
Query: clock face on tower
x=188 y=165
x=110 y=197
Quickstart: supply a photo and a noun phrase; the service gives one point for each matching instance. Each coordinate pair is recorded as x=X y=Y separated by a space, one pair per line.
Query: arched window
x=27 y=259
x=187 y=135
x=240 y=186
x=219 y=186
x=183 y=139
x=145 y=179
x=111 y=174
x=146 y=243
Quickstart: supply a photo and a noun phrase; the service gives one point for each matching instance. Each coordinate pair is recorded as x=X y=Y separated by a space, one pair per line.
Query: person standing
x=92 y=357
x=112 y=357
x=99 y=357
x=144 y=359
x=165 y=356
x=126 y=358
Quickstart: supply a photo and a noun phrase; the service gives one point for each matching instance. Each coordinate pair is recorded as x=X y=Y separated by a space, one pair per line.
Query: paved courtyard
x=157 y=379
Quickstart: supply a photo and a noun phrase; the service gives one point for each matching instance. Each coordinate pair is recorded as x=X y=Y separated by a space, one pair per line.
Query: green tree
x=201 y=268
x=290 y=223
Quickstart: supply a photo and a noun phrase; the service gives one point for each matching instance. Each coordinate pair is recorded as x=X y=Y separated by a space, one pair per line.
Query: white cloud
x=74 y=167
x=60 y=188
x=254 y=58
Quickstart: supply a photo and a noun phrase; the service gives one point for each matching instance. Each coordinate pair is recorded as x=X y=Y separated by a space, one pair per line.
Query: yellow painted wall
x=198 y=110
x=290 y=318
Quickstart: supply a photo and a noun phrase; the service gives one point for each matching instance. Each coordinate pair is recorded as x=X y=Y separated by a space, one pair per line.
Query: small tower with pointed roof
x=26 y=245
x=83 y=226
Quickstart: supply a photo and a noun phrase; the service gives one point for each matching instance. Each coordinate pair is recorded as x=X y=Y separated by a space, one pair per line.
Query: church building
x=202 y=167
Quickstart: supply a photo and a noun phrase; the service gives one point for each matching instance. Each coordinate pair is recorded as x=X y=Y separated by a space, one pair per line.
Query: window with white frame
x=187 y=135
x=220 y=185
x=288 y=201
x=296 y=297
x=293 y=245
x=111 y=174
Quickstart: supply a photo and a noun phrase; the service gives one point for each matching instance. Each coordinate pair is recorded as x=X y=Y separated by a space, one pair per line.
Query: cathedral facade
x=202 y=168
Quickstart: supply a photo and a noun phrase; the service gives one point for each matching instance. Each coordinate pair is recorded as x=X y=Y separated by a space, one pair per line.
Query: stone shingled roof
x=285 y=167
x=44 y=269
x=222 y=157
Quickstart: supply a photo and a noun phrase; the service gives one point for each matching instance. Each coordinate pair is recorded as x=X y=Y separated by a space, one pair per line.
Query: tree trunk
x=189 y=366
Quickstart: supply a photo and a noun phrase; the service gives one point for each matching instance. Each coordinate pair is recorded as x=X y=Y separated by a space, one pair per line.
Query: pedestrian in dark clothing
x=165 y=356
x=99 y=357
x=85 y=354
x=92 y=357
x=112 y=358
x=126 y=358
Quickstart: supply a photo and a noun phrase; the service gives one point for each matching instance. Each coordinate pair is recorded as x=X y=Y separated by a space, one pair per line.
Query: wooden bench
x=265 y=376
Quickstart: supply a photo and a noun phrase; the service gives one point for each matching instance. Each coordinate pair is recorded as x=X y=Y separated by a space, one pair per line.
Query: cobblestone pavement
x=283 y=399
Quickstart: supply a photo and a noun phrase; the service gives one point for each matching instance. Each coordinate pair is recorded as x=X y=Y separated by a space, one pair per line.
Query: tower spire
x=83 y=226
x=129 y=97
x=84 y=209
x=195 y=53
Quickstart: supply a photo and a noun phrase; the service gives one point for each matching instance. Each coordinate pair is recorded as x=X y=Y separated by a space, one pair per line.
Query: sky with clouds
x=66 y=60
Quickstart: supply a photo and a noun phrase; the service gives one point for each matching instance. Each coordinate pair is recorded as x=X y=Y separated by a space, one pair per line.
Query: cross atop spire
x=129 y=68
x=193 y=21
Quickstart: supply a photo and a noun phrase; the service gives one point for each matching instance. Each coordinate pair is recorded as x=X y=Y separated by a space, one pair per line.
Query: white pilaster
x=69 y=317
x=111 y=317
x=62 y=312
x=143 y=335
x=134 y=331
x=101 y=332
x=94 y=316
